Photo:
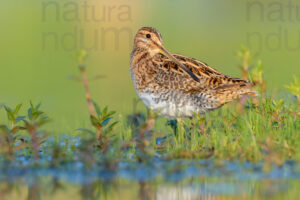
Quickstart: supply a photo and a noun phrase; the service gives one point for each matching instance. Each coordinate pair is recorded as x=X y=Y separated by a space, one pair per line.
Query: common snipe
x=176 y=85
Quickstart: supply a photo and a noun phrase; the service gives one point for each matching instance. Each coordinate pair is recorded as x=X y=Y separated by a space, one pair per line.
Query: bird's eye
x=148 y=35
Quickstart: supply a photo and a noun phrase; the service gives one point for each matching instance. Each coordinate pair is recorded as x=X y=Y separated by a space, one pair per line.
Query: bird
x=178 y=86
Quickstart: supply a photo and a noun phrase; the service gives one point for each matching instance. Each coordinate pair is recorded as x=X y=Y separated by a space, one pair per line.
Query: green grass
x=254 y=134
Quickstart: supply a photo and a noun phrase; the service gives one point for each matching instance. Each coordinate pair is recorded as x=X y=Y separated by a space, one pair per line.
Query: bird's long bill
x=166 y=53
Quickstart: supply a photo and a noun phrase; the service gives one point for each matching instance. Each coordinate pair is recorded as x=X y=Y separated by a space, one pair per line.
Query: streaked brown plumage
x=176 y=85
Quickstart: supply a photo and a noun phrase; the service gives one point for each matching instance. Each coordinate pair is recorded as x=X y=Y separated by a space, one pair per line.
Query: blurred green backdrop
x=40 y=40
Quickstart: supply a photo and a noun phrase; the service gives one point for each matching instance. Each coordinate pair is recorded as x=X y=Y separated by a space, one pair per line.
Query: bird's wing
x=171 y=75
x=199 y=68
x=208 y=76
x=203 y=71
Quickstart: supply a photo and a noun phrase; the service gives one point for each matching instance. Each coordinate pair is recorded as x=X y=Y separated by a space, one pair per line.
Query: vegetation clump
x=254 y=129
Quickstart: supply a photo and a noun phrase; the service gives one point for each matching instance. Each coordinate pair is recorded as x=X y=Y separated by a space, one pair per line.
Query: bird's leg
x=173 y=124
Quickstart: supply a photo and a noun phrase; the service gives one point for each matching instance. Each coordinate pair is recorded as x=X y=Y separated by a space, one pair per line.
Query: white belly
x=170 y=105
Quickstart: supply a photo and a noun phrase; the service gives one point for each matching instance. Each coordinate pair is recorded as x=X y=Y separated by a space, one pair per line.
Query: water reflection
x=145 y=191
x=124 y=189
x=35 y=189
x=160 y=180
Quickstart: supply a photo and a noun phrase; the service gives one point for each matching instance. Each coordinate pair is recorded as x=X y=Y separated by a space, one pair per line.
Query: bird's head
x=150 y=39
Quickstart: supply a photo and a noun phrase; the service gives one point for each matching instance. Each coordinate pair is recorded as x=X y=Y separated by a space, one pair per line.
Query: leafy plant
x=9 y=133
x=103 y=124
x=12 y=114
x=256 y=76
x=142 y=136
x=102 y=137
x=246 y=57
x=250 y=71
x=35 y=120
x=294 y=88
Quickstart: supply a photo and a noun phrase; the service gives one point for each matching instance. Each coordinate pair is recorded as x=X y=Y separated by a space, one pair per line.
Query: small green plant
x=101 y=138
x=143 y=134
x=32 y=123
x=294 y=88
x=144 y=138
x=35 y=120
x=246 y=57
x=252 y=72
x=137 y=118
x=9 y=133
x=13 y=115
x=256 y=76
x=103 y=124
x=100 y=119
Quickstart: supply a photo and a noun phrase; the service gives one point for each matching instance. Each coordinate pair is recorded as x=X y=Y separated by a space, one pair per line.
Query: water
x=157 y=178
x=160 y=179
